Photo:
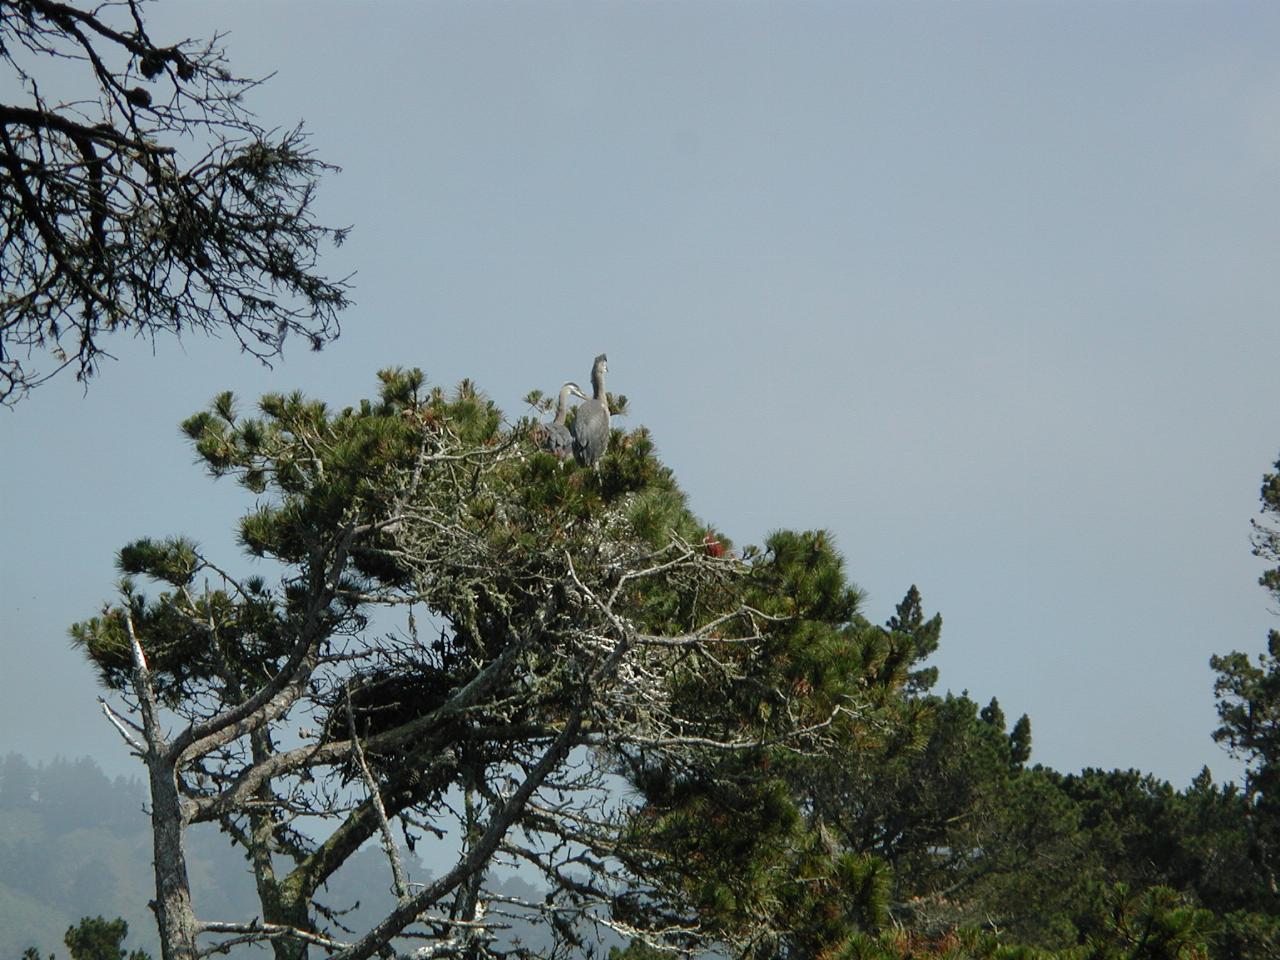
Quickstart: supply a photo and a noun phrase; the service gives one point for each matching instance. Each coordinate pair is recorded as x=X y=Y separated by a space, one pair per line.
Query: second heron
x=591 y=420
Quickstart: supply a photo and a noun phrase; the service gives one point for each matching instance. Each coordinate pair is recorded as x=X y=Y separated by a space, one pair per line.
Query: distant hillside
x=75 y=843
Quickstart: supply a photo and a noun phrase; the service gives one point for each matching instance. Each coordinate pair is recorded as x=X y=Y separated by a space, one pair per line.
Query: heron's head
x=571 y=389
x=602 y=363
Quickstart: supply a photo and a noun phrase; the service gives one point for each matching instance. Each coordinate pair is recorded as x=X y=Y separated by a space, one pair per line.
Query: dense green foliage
x=794 y=787
x=97 y=938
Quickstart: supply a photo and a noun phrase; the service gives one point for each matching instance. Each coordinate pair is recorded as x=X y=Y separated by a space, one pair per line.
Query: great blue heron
x=556 y=439
x=591 y=423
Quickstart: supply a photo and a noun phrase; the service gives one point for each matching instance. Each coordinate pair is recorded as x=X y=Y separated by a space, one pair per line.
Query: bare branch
x=108 y=226
x=375 y=797
x=125 y=727
x=258 y=931
x=476 y=858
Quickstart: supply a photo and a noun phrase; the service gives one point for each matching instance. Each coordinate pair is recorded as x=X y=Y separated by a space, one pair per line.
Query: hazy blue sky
x=990 y=290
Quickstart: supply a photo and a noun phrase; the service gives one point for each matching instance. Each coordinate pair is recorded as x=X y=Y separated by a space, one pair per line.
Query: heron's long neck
x=597 y=383
x=562 y=405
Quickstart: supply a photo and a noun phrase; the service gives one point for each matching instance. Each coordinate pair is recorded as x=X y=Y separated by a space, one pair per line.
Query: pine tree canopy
x=556 y=632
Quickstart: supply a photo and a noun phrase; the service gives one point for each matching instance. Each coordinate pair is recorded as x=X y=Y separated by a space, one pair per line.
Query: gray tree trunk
x=175 y=916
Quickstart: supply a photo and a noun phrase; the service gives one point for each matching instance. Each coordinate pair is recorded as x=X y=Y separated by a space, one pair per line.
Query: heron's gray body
x=557 y=440
x=591 y=422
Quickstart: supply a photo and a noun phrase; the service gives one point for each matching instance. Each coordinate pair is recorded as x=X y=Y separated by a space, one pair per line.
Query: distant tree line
x=94 y=938
x=70 y=794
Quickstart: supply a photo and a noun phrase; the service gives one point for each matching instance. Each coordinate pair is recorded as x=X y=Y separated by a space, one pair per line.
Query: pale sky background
x=989 y=290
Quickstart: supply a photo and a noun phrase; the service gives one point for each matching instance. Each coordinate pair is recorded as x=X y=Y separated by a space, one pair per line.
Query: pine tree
x=1020 y=743
x=560 y=627
x=1248 y=696
x=96 y=938
x=922 y=636
x=1266 y=531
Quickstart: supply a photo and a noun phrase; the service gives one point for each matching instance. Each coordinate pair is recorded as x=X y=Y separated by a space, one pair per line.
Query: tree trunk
x=175 y=917
x=261 y=844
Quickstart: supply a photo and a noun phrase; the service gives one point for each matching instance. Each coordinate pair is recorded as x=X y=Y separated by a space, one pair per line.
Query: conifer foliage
x=96 y=938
